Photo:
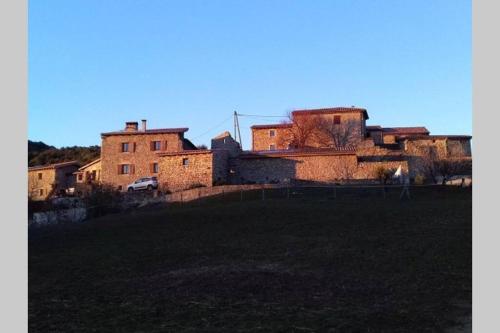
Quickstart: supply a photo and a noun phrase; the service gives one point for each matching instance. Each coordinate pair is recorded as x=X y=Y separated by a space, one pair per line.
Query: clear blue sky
x=95 y=64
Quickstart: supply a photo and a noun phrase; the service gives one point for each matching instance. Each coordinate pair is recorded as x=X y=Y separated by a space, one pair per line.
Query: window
x=155 y=145
x=336 y=120
x=185 y=161
x=124 y=147
x=40 y=175
x=272 y=133
x=94 y=174
x=155 y=167
x=125 y=169
x=80 y=176
x=41 y=191
x=272 y=147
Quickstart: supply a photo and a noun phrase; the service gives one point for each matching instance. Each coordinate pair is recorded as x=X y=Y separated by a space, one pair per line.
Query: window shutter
x=151 y=167
x=133 y=147
x=120 y=147
x=152 y=145
x=165 y=145
x=119 y=169
x=132 y=169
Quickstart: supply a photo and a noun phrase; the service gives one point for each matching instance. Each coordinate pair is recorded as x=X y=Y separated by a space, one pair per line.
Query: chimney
x=131 y=126
x=143 y=125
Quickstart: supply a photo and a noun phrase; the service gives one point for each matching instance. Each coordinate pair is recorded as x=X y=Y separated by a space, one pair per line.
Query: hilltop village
x=315 y=146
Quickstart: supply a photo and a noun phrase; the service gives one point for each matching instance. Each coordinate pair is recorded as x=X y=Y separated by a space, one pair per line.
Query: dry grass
x=357 y=263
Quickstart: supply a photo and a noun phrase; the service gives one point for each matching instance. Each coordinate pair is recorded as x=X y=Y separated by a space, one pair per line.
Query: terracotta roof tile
x=405 y=130
x=298 y=152
x=330 y=110
x=53 y=166
x=271 y=126
x=149 y=131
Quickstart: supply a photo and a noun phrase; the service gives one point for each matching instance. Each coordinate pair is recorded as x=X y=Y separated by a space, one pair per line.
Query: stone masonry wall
x=367 y=170
x=176 y=175
x=45 y=184
x=302 y=168
x=141 y=158
x=261 y=140
x=52 y=180
x=220 y=166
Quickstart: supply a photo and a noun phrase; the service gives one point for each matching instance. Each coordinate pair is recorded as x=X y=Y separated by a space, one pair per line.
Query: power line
x=212 y=128
x=259 y=116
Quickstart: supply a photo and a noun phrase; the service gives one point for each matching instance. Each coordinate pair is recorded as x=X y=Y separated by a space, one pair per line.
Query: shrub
x=419 y=179
x=103 y=199
x=383 y=174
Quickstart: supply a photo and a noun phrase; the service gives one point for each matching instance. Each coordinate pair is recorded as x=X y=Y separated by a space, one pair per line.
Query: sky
x=93 y=64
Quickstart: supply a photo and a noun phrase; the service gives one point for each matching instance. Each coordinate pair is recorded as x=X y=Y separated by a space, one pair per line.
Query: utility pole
x=237 y=133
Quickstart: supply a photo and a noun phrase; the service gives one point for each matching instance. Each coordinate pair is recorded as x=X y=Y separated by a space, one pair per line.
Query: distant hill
x=40 y=153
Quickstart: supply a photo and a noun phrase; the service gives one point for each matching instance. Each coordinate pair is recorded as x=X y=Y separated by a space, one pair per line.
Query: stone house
x=373 y=147
x=90 y=173
x=45 y=181
x=134 y=152
x=202 y=167
x=319 y=128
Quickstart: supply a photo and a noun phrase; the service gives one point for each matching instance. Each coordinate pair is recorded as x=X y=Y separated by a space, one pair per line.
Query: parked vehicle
x=146 y=183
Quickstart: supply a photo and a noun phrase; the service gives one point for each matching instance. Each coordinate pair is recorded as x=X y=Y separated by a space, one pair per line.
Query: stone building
x=45 y=181
x=90 y=173
x=328 y=132
x=315 y=146
x=202 y=167
x=134 y=152
x=315 y=128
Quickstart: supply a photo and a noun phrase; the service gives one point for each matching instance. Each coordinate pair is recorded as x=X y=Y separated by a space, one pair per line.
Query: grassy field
x=358 y=262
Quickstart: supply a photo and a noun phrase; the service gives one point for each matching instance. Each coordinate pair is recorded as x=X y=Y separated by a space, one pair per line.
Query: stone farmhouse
x=90 y=173
x=45 y=181
x=315 y=146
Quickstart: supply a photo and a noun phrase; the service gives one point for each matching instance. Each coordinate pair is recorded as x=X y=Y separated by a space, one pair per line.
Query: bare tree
x=301 y=133
x=341 y=135
x=435 y=166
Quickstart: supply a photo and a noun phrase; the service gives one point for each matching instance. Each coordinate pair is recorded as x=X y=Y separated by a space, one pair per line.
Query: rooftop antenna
x=237 y=134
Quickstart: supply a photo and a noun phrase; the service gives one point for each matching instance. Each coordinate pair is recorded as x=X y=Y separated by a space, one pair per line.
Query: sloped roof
x=405 y=130
x=431 y=137
x=270 y=126
x=330 y=110
x=224 y=134
x=149 y=131
x=90 y=163
x=298 y=152
x=54 y=166
x=188 y=145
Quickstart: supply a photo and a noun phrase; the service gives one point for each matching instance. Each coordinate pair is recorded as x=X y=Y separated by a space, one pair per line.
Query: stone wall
x=141 y=158
x=225 y=141
x=220 y=165
x=367 y=170
x=182 y=171
x=39 y=189
x=51 y=182
x=458 y=147
x=261 y=139
x=87 y=174
x=351 y=123
x=315 y=168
